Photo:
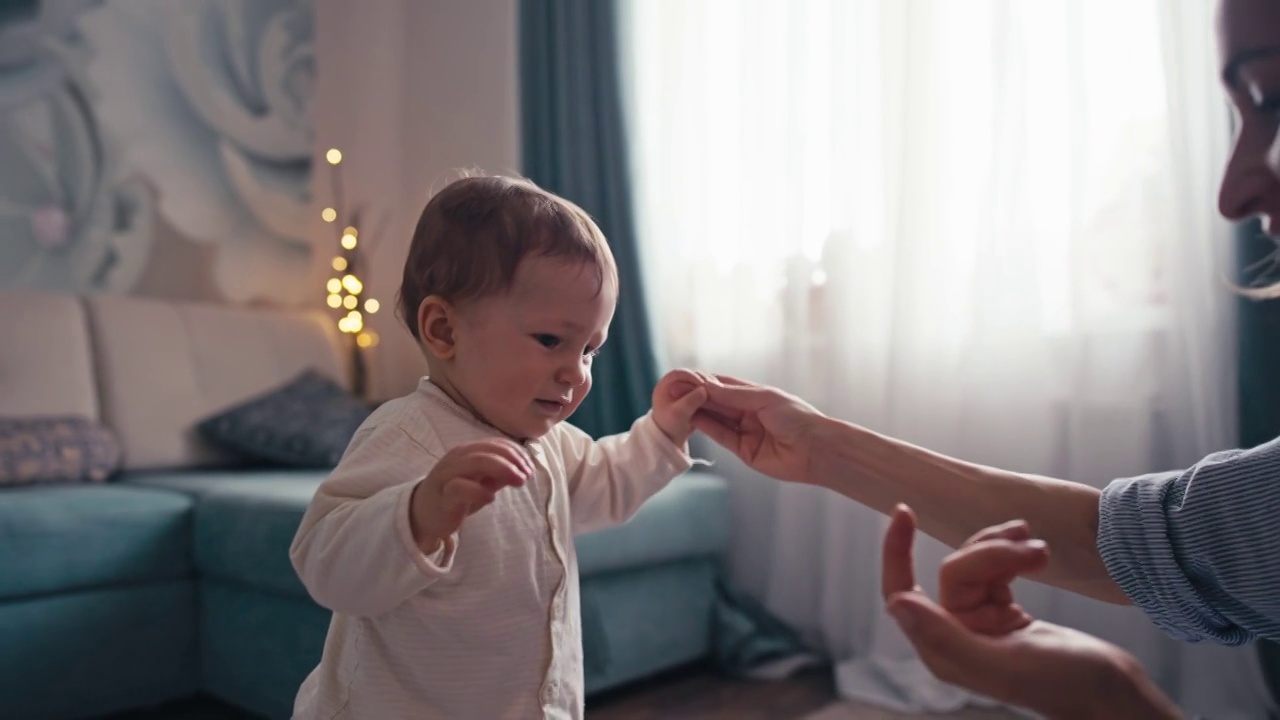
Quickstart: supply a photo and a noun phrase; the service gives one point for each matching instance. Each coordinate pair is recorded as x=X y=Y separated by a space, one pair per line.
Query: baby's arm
x=354 y=551
x=383 y=527
x=611 y=478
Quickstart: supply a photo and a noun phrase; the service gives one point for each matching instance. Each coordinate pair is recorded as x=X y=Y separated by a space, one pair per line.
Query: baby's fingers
x=494 y=466
x=686 y=406
x=679 y=383
x=463 y=496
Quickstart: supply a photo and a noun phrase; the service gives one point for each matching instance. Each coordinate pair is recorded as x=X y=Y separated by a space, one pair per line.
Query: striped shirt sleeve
x=1198 y=550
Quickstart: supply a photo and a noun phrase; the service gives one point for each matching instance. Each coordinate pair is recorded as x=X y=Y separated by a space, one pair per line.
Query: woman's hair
x=1264 y=270
x=1266 y=292
x=473 y=234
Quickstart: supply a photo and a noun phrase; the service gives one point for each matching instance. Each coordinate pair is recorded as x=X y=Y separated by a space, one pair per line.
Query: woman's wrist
x=1135 y=695
x=832 y=453
x=1150 y=702
x=860 y=464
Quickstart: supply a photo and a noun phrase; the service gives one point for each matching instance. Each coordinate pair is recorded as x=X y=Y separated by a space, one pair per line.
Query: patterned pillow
x=305 y=423
x=55 y=449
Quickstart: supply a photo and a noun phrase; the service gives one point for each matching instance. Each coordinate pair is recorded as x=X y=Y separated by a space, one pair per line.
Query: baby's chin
x=526 y=430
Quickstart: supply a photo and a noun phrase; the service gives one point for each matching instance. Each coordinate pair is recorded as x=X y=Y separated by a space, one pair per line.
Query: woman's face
x=1249 y=52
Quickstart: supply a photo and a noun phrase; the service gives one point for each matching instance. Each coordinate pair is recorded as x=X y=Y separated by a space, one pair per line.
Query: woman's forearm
x=954 y=499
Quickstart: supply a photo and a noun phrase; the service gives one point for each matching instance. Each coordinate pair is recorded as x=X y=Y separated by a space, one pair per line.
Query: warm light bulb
x=371 y=306
x=334 y=285
x=373 y=339
x=329 y=214
x=350 y=230
x=334 y=156
x=344 y=324
x=339 y=263
x=354 y=321
x=350 y=302
x=364 y=340
x=352 y=284
x=335 y=301
x=349 y=241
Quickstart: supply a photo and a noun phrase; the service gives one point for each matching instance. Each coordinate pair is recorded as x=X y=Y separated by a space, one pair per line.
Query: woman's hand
x=978 y=638
x=770 y=430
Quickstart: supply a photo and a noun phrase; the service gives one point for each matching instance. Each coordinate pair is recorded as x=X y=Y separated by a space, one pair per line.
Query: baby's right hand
x=465 y=480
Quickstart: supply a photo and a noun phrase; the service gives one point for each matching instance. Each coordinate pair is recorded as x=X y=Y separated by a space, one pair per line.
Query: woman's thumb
x=949 y=649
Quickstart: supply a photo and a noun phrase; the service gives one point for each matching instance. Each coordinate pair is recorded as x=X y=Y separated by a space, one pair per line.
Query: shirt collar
x=440 y=398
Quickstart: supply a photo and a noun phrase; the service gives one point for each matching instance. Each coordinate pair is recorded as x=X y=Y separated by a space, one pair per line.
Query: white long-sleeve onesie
x=489 y=626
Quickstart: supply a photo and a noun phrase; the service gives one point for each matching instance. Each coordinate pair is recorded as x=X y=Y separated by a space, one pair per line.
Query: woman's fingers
x=1012 y=530
x=897 y=567
x=950 y=650
x=969 y=575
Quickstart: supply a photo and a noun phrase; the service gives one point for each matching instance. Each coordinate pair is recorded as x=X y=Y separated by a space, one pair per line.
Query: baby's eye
x=547 y=341
x=591 y=353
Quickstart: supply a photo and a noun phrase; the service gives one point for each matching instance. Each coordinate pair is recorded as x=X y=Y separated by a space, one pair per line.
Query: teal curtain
x=1258 y=330
x=575 y=146
x=1259 y=343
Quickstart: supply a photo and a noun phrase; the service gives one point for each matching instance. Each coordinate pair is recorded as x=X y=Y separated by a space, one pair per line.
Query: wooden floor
x=686 y=694
x=201 y=708
x=702 y=694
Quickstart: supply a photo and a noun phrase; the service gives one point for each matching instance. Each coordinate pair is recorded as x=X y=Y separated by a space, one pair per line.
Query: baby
x=443 y=541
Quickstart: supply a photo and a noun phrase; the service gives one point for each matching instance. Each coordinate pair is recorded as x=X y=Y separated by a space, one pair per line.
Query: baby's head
x=509 y=291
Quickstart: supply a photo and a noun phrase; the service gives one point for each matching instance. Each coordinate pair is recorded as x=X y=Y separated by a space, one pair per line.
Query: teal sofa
x=174 y=579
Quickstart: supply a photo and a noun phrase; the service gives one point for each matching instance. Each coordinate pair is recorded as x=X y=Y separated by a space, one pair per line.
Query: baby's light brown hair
x=474 y=233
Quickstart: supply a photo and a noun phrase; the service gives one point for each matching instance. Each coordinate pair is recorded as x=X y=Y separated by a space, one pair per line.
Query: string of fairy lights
x=345 y=288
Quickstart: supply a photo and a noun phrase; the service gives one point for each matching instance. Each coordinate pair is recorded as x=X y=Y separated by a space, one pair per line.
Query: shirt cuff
x=1142 y=558
x=437 y=563
x=677 y=458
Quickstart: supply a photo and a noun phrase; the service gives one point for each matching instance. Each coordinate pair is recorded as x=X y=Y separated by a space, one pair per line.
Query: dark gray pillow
x=56 y=449
x=305 y=423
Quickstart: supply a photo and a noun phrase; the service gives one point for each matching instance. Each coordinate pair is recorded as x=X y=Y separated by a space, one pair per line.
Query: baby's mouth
x=552 y=406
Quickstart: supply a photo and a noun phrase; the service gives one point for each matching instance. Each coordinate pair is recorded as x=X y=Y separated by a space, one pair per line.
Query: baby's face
x=523 y=359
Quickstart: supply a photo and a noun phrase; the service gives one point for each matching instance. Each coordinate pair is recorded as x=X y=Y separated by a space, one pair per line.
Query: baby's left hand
x=677 y=397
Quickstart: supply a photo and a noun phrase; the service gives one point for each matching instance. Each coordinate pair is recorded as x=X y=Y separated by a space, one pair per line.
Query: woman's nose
x=1248 y=179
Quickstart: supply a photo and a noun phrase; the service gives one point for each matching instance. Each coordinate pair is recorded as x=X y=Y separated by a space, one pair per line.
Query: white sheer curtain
x=986 y=227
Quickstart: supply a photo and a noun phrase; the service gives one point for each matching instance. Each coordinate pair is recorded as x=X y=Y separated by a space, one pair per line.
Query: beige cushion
x=165 y=366
x=44 y=356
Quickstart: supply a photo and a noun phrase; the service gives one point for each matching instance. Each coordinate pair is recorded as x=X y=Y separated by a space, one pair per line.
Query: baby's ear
x=436 y=318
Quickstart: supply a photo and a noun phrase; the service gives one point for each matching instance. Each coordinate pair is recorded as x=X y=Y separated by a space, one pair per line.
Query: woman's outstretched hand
x=978 y=638
x=770 y=430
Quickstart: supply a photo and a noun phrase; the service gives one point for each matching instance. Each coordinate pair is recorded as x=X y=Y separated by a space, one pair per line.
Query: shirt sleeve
x=354 y=550
x=1199 y=550
x=609 y=479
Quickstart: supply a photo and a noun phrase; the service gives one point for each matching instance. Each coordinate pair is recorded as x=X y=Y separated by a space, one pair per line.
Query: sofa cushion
x=164 y=366
x=690 y=518
x=46 y=366
x=55 y=538
x=55 y=449
x=308 y=422
x=245 y=521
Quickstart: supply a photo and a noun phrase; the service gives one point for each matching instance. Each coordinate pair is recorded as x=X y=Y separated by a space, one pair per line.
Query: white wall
x=411 y=90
